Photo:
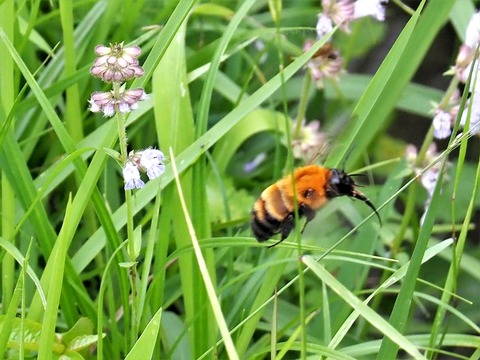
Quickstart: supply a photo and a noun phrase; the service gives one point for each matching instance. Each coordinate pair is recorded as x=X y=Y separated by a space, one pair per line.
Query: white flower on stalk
x=441 y=124
x=375 y=8
x=474 y=113
x=151 y=162
x=472 y=35
x=131 y=176
x=324 y=25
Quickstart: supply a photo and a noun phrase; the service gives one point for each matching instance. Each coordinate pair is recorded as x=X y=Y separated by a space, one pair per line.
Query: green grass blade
x=367 y=313
x=143 y=348
x=388 y=83
x=391 y=280
x=217 y=310
x=57 y=261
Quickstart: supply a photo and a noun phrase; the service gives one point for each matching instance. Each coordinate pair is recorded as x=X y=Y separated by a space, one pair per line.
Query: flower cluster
x=149 y=161
x=466 y=63
x=309 y=141
x=343 y=12
x=109 y=102
x=116 y=64
x=328 y=62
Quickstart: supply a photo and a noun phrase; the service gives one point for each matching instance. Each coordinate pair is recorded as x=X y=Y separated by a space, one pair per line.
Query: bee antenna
x=362 y=175
x=347 y=156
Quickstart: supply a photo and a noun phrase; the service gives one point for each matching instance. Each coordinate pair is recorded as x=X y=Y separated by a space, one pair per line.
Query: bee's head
x=341 y=184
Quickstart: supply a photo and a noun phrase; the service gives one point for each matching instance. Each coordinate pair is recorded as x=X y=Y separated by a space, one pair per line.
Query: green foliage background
x=345 y=288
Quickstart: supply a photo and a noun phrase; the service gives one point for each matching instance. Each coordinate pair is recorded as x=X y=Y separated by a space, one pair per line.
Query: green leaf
x=143 y=348
x=26 y=333
x=82 y=342
x=82 y=327
x=371 y=316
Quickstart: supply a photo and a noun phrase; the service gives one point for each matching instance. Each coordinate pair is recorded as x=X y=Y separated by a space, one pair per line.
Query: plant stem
x=302 y=106
x=132 y=254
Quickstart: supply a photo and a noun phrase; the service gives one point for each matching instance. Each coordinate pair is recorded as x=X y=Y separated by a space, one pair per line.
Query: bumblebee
x=274 y=211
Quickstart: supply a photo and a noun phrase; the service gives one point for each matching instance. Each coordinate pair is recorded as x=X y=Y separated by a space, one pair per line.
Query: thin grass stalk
x=100 y=299
x=215 y=304
x=389 y=349
x=149 y=256
x=8 y=208
x=200 y=211
x=453 y=272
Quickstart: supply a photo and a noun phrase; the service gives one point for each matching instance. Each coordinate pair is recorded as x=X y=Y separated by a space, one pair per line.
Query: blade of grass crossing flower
x=371 y=316
x=460 y=16
x=383 y=92
x=215 y=304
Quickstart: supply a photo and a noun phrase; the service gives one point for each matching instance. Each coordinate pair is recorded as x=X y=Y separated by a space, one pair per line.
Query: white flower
x=474 y=114
x=324 y=25
x=131 y=176
x=309 y=142
x=472 y=35
x=441 y=124
x=429 y=179
x=375 y=8
x=151 y=162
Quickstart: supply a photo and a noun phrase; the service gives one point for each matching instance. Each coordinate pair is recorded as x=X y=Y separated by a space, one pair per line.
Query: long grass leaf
x=367 y=313
x=217 y=311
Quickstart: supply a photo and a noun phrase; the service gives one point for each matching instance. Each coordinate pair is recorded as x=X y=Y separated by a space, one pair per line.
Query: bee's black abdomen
x=264 y=229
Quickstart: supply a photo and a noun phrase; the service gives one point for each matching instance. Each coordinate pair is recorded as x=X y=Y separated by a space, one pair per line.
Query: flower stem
x=302 y=107
x=132 y=253
x=122 y=135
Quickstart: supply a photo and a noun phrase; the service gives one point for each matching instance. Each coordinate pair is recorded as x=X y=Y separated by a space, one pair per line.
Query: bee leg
x=309 y=214
x=287 y=225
